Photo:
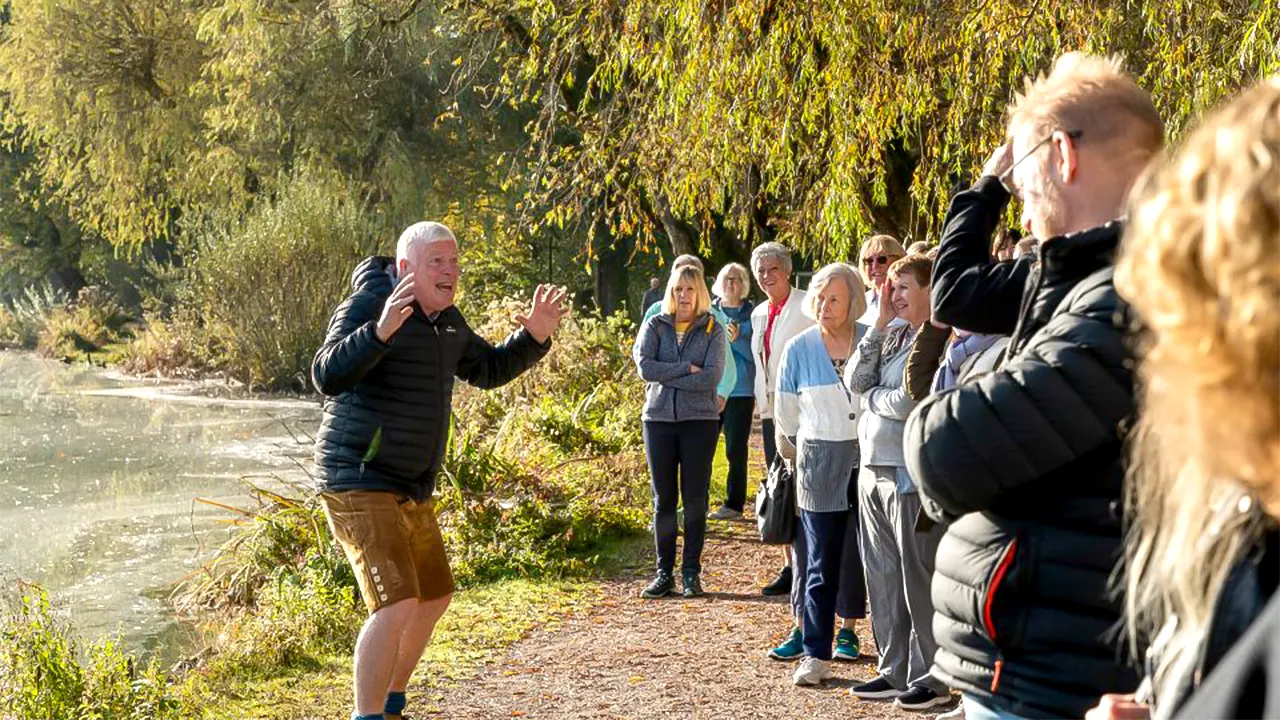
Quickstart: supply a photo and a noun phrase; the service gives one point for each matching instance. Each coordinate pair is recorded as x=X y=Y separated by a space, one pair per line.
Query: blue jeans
x=975 y=710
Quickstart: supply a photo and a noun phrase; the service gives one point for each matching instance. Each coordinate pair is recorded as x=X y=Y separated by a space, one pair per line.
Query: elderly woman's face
x=734 y=287
x=875 y=265
x=911 y=299
x=833 y=305
x=773 y=279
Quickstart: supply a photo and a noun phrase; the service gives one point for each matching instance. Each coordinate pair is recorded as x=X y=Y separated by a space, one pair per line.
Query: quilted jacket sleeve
x=351 y=347
x=1062 y=396
x=487 y=366
x=970 y=290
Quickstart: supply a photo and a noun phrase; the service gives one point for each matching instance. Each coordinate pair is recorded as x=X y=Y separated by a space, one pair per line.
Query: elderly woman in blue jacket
x=680 y=353
x=816 y=420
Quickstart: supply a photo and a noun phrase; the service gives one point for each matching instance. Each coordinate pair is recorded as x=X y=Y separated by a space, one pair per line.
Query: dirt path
x=675 y=658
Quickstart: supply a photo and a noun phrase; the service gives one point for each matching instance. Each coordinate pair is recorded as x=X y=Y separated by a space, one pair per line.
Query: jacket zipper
x=1002 y=568
x=1028 y=302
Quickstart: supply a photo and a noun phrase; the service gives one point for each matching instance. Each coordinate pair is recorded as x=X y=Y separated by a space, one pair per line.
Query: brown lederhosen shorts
x=393 y=544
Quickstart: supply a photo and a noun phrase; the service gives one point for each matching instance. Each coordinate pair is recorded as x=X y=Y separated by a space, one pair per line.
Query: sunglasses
x=876 y=260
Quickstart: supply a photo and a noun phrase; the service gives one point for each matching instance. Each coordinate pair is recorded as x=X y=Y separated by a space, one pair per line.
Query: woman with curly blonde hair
x=1201 y=267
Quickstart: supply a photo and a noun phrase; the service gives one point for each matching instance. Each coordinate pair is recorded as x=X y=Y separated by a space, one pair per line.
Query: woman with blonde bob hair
x=680 y=353
x=816 y=420
x=1201 y=266
x=875 y=256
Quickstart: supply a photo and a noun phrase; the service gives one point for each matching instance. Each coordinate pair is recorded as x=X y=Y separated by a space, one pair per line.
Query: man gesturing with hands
x=387 y=368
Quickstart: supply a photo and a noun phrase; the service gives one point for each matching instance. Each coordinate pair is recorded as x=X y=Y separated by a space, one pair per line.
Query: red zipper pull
x=995 y=679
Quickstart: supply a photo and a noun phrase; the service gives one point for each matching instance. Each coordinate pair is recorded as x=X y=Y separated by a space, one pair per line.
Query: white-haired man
x=1026 y=462
x=387 y=368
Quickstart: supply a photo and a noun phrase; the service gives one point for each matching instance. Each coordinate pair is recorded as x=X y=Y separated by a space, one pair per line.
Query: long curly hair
x=1201 y=266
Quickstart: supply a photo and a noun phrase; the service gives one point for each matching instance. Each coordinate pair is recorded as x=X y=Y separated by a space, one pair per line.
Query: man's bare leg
x=415 y=639
x=377 y=651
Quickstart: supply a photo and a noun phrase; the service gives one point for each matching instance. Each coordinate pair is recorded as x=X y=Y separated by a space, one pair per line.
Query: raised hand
x=887 y=311
x=544 y=318
x=398 y=309
x=1000 y=162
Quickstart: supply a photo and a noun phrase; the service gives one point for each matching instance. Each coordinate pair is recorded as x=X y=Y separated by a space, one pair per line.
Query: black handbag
x=776 y=505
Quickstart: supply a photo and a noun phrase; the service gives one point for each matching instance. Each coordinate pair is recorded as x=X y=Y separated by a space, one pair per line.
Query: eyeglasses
x=876 y=260
x=1004 y=176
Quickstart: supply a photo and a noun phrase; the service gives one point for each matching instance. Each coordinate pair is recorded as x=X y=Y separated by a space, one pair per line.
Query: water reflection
x=97 y=478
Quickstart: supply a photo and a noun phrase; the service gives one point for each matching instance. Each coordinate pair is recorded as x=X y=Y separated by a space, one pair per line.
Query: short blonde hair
x=824 y=277
x=1201 y=266
x=886 y=245
x=1093 y=95
x=694 y=276
x=717 y=289
x=918 y=247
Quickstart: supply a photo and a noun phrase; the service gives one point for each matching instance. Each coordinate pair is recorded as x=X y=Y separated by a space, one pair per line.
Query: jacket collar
x=1078 y=255
x=698 y=323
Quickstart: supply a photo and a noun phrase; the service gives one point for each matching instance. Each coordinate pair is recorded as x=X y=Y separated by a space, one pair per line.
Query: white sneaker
x=812 y=672
x=957 y=714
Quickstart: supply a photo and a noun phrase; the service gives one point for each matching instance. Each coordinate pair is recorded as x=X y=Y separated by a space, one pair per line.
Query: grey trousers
x=899 y=564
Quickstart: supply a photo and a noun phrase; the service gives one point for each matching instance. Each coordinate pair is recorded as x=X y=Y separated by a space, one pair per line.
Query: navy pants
x=736 y=421
x=824 y=539
x=680 y=457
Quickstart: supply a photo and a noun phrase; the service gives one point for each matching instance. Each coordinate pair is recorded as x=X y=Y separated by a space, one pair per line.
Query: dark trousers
x=736 y=421
x=680 y=456
x=824 y=535
x=851 y=598
x=770 y=444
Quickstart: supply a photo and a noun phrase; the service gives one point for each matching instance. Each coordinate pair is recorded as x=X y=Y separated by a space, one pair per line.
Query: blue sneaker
x=846 y=646
x=792 y=649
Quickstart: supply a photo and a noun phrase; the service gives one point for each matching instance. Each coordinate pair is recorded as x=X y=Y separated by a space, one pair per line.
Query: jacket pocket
x=995 y=585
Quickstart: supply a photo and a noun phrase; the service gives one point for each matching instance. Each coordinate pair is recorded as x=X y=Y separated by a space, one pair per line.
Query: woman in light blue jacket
x=816 y=420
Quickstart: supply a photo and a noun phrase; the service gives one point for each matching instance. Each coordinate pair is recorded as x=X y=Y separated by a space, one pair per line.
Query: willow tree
x=821 y=122
x=141 y=111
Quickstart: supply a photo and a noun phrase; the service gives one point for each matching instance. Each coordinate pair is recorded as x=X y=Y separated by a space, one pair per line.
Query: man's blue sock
x=357 y=716
x=396 y=703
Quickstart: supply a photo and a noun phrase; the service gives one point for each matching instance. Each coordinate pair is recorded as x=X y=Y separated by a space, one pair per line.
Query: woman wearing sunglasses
x=875 y=256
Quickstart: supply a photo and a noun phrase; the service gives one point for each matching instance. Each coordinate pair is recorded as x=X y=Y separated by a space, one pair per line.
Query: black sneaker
x=878 y=689
x=781 y=585
x=662 y=586
x=692 y=585
x=919 y=697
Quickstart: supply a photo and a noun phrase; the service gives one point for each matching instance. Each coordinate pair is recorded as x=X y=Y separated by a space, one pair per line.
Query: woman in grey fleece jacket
x=897 y=554
x=680 y=353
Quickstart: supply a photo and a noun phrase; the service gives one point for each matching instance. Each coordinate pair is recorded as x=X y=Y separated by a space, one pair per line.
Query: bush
x=45 y=675
x=23 y=317
x=87 y=325
x=163 y=348
x=267 y=285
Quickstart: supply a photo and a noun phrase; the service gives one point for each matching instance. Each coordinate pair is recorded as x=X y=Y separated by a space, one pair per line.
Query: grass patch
x=480 y=624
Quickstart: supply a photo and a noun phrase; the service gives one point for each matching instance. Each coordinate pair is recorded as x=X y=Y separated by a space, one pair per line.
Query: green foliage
x=87 y=325
x=824 y=121
x=266 y=285
x=164 y=348
x=45 y=674
x=26 y=315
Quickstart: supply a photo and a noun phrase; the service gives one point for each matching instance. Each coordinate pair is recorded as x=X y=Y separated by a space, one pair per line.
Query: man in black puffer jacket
x=387 y=368
x=1025 y=464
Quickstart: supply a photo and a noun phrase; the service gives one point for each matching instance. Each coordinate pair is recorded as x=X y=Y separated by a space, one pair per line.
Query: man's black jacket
x=387 y=407
x=1025 y=463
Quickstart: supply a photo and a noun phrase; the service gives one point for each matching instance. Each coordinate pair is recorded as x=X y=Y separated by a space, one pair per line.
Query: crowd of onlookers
x=1046 y=461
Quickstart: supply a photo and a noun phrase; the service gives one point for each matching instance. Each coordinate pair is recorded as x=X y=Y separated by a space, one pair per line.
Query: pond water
x=99 y=476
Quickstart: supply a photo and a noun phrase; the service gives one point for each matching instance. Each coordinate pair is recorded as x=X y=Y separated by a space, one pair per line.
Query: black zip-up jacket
x=1025 y=463
x=387 y=406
